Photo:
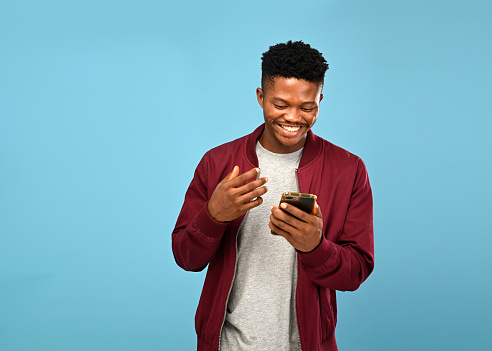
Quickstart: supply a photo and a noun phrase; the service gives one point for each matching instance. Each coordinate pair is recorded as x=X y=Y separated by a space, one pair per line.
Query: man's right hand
x=231 y=200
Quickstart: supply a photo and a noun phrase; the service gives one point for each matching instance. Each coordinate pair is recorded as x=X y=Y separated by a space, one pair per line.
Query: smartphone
x=302 y=201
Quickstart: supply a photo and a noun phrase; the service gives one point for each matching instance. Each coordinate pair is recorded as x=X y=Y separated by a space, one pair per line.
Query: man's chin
x=292 y=142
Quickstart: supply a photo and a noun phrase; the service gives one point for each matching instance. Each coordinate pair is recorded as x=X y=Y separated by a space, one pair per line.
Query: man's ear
x=259 y=96
x=320 y=97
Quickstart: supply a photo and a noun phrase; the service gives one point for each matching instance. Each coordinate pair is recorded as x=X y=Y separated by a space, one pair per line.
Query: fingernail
x=266 y=179
x=283 y=205
x=257 y=170
x=271 y=207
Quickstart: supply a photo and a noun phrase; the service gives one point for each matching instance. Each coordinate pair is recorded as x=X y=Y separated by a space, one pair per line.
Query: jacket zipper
x=232 y=283
x=297 y=315
x=298 y=263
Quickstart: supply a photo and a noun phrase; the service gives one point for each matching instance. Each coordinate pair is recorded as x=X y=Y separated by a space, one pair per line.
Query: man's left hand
x=302 y=230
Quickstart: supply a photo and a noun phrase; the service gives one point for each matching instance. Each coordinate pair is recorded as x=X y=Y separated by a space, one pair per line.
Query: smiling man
x=277 y=292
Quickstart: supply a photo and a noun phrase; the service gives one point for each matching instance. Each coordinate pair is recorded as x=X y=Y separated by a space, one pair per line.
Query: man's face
x=290 y=107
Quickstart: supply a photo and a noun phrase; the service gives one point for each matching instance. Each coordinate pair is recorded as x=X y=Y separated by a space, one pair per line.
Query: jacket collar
x=311 y=148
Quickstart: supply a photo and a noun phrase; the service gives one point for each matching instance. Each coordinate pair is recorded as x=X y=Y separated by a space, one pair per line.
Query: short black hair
x=293 y=60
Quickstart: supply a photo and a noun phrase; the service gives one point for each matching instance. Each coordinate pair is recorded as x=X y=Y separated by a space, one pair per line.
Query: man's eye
x=281 y=107
x=307 y=109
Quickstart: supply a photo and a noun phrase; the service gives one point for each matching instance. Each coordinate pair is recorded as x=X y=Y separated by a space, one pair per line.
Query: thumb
x=317 y=210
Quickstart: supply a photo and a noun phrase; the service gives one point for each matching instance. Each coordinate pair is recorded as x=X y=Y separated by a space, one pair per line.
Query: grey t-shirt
x=261 y=307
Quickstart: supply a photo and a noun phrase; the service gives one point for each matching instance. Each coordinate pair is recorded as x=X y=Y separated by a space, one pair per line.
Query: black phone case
x=302 y=201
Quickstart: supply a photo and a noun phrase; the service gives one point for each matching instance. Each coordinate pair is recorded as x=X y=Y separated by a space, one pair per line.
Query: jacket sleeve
x=196 y=236
x=346 y=264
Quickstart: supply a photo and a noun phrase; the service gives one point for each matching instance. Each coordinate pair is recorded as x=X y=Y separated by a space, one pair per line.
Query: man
x=277 y=292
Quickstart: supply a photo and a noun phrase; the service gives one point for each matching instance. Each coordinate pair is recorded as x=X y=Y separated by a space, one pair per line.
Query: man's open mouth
x=290 y=128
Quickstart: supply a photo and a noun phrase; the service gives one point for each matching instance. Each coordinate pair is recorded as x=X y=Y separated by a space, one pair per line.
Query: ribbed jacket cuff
x=324 y=252
x=208 y=226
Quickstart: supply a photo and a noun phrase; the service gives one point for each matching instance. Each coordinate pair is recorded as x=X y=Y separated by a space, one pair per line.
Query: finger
x=284 y=221
x=300 y=214
x=234 y=173
x=252 y=173
x=251 y=204
x=252 y=185
x=252 y=194
x=279 y=231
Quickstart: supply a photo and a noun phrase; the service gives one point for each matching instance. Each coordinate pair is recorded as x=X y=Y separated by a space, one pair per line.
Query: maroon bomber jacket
x=342 y=261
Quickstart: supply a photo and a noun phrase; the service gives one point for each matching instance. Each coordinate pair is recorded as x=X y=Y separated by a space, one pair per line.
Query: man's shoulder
x=225 y=154
x=231 y=146
x=336 y=153
x=338 y=162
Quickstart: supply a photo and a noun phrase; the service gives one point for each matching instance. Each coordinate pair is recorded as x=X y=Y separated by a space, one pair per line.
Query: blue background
x=106 y=107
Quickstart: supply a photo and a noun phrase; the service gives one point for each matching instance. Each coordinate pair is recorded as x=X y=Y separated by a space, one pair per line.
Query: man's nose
x=293 y=115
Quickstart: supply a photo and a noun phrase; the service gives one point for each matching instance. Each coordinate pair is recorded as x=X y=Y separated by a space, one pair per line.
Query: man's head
x=293 y=60
x=290 y=93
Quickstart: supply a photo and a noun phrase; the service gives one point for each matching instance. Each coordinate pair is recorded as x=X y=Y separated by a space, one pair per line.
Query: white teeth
x=291 y=129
